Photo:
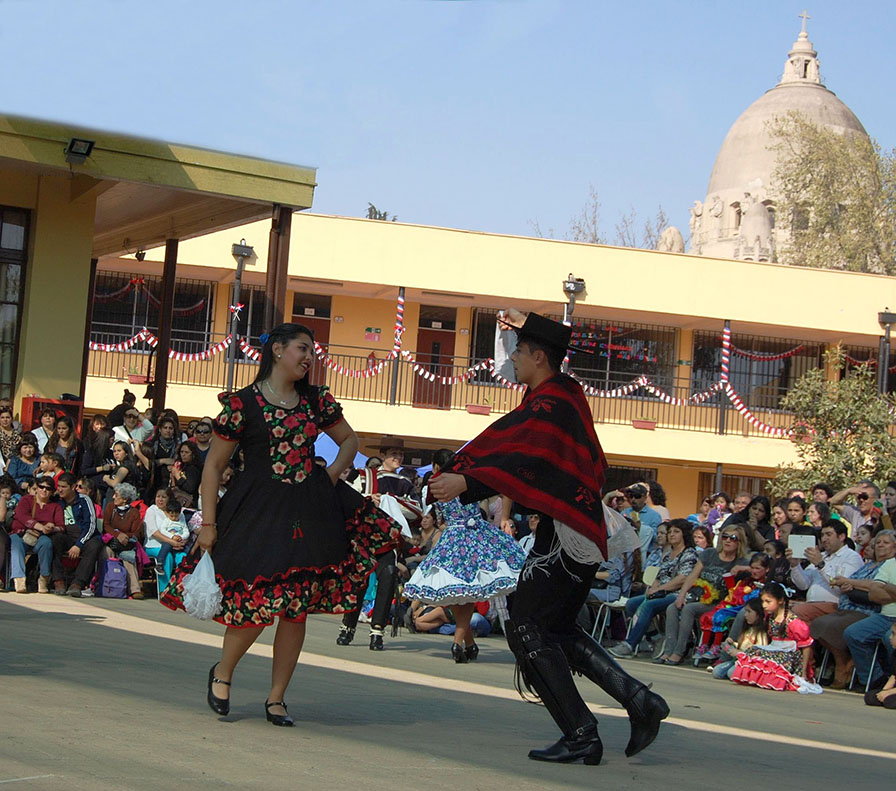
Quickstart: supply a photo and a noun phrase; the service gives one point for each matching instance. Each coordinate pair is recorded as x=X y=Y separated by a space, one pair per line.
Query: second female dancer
x=473 y=561
x=288 y=537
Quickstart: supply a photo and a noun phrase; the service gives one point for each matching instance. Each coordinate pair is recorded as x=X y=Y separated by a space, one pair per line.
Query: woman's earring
x=279 y=356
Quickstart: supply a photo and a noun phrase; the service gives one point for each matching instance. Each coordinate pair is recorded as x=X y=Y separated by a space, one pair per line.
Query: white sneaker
x=87 y=593
x=622 y=650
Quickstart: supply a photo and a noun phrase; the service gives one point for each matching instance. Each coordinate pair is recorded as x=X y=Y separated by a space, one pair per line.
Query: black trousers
x=386 y=578
x=90 y=553
x=551 y=595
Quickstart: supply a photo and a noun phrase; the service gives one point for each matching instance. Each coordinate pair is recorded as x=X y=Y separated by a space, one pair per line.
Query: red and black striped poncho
x=545 y=456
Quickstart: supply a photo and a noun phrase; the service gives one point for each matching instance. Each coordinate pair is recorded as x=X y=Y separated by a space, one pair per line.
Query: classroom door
x=435 y=353
x=321 y=329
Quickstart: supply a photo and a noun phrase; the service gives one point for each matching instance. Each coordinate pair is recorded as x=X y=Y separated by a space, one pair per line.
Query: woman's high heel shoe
x=457 y=651
x=472 y=652
x=282 y=720
x=218 y=705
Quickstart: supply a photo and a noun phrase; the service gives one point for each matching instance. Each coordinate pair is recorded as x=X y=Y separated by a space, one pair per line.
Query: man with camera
x=645 y=519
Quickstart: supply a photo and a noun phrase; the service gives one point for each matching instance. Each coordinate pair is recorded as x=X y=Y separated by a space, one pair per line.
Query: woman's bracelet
x=209 y=524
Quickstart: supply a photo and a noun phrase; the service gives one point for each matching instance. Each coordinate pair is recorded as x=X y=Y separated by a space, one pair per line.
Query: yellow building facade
x=645 y=313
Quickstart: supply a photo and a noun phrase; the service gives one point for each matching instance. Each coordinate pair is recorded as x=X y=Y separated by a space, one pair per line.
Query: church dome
x=745 y=163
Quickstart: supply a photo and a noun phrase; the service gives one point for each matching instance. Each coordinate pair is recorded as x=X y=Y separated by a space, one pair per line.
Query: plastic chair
x=603 y=611
x=852 y=678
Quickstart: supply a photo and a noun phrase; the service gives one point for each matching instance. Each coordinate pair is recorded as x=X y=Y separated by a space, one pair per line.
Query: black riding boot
x=645 y=709
x=546 y=673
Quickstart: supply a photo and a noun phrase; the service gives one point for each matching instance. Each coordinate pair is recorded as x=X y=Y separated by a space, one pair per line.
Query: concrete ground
x=110 y=694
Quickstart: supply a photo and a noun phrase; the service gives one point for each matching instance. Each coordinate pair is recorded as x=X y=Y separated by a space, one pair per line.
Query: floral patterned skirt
x=473 y=561
x=286 y=550
x=768 y=667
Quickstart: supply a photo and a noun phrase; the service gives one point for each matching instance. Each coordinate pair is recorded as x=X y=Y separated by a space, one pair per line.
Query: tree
x=835 y=198
x=840 y=429
x=373 y=213
x=586 y=227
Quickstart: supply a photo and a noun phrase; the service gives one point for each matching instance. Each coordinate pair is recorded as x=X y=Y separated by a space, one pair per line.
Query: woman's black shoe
x=346 y=635
x=472 y=652
x=457 y=651
x=218 y=705
x=281 y=720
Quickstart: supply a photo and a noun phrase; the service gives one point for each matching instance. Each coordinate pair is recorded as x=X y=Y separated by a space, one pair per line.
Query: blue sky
x=479 y=114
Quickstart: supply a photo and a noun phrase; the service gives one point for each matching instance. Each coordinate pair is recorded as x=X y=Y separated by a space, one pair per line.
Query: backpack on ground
x=112 y=581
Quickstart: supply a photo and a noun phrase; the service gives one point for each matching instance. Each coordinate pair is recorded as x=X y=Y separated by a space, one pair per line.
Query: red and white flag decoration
x=250 y=351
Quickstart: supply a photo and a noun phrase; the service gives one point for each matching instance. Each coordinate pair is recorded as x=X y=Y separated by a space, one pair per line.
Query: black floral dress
x=289 y=541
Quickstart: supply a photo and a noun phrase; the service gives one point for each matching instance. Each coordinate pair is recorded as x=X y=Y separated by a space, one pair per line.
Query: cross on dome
x=802 y=60
x=804 y=16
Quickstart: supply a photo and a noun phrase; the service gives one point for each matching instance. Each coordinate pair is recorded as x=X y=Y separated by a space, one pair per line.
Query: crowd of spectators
x=129 y=489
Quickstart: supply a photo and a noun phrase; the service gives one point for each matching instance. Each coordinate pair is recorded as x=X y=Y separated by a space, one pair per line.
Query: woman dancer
x=472 y=562
x=288 y=537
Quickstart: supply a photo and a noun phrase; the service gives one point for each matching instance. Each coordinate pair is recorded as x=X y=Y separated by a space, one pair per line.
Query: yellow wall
x=56 y=283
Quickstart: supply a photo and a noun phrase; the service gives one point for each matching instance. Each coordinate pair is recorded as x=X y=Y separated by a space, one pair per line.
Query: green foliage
x=373 y=213
x=840 y=430
x=836 y=195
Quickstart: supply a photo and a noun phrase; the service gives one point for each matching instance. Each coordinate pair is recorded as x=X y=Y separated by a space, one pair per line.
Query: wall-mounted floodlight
x=77 y=150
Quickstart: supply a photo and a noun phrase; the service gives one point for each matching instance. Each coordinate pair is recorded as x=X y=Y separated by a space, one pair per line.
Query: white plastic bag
x=202 y=596
x=392 y=507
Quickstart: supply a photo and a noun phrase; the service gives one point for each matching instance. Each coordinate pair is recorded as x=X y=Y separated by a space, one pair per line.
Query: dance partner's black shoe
x=376 y=641
x=472 y=652
x=585 y=746
x=646 y=710
x=458 y=653
x=346 y=635
x=281 y=720
x=218 y=705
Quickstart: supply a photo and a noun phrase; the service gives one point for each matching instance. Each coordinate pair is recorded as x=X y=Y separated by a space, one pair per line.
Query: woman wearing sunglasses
x=35 y=520
x=732 y=555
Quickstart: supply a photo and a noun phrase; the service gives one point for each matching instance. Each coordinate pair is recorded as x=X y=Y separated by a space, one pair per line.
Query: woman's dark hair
x=799 y=501
x=686 y=528
x=129 y=454
x=441 y=457
x=724 y=495
x=824 y=511
x=826 y=489
x=195 y=459
x=48 y=411
x=779 y=546
x=776 y=591
x=284 y=333
x=704 y=531
x=53 y=441
x=27 y=439
x=762 y=558
x=5 y=409
x=10 y=483
x=657 y=493
x=755 y=604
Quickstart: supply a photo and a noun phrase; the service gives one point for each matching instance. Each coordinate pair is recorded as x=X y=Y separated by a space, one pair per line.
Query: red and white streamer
x=119 y=347
x=250 y=351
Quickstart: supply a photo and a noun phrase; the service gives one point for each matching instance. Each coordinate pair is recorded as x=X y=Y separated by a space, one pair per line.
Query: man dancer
x=545 y=456
x=373 y=483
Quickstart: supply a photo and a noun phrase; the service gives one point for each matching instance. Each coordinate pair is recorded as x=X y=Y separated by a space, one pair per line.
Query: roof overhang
x=148 y=191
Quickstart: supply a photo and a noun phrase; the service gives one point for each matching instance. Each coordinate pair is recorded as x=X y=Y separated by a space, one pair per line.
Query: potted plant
x=480 y=409
x=644 y=423
x=135 y=378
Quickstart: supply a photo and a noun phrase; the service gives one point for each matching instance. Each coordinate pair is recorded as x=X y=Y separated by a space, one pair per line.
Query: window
x=124 y=304
x=623 y=477
x=317 y=305
x=623 y=352
x=731 y=485
x=762 y=370
x=13 y=257
x=438 y=318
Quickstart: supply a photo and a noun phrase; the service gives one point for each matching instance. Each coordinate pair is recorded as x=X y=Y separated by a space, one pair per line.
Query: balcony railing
x=399 y=384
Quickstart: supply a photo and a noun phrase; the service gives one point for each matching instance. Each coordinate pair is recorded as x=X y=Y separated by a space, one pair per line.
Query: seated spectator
x=37 y=517
x=615 y=500
x=26 y=460
x=186 y=475
x=613 y=578
x=145 y=465
x=732 y=556
x=7 y=402
x=46 y=428
x=779 y=517
x=797 y=523
x=85 y=486
x=656 y=499
x=170 y=414
x=642 y=516
x=864 y=542
x=863 y=637
x=754 y=633
x=79 y=540
x=821 y=493
x=528 y=541
x=660 y=548
x=754 y=519
x=675 y=568
x=885 y=695
x=202 y=439
x=116 y=414
x=9 y=499
x=742 y=588
x=98 y=458
x=779 y=571
x=865 y=493
x=817 y=514
x=164 y=445
x=122 y=529
x=834 y=559
x=854 y=605
x=430 y=532
x=889 y=503
x=66 y=444
x=10 y=437
x=776 y=665
x=720 y=511
x=135 y=427
x=702 y=513
x=703 y=537
x=122 y=470
x=170 y=532
x=50 y=466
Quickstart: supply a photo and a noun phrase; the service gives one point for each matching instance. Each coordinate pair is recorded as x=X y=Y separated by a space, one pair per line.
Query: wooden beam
x=166 y=314
x=278 y=266
x=88 y=321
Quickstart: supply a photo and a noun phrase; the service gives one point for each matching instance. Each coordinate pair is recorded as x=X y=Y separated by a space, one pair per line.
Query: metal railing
x=399 y=384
